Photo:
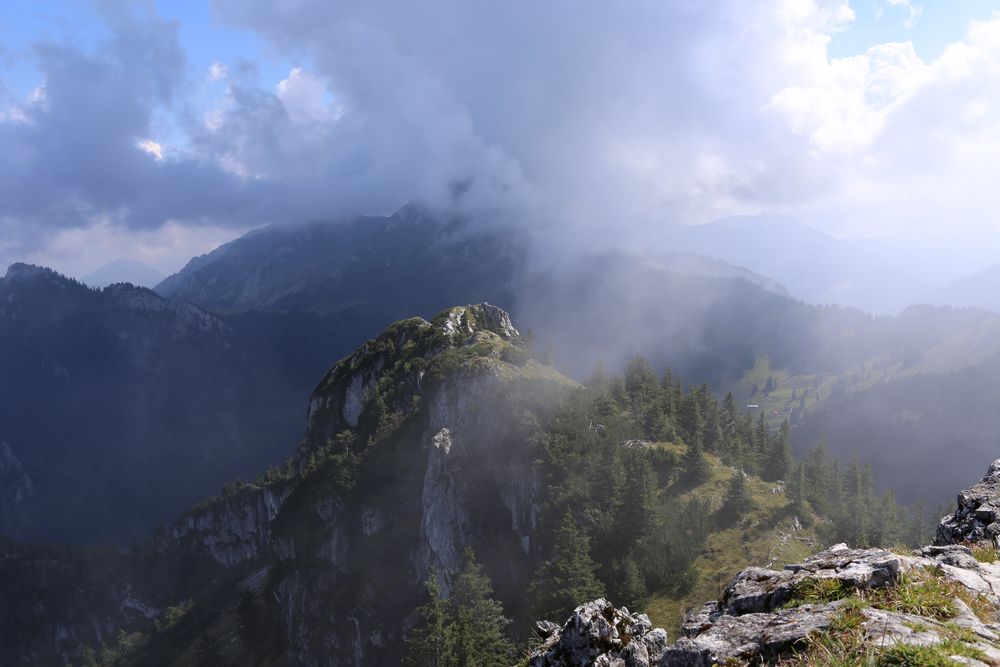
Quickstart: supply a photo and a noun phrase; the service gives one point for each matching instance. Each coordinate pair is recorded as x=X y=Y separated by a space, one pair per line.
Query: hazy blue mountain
x=693 y=264
x=123 y=271
x=980 y=289
x=815 y=266
x=99 y=382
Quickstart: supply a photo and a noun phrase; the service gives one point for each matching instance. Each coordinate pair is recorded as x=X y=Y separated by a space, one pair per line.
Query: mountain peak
x=387 y=372
x=22 y=272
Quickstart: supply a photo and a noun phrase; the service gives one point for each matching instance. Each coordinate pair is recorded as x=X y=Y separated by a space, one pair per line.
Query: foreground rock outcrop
x=935 y=606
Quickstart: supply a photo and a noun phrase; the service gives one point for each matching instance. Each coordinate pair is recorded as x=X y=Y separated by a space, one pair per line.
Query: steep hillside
x=378 y=269
x=118 y=408
x=431 y=438
x=419 y=444
x=707 y=320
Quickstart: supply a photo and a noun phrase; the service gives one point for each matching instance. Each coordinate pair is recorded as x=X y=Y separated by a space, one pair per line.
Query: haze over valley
x=364 y=333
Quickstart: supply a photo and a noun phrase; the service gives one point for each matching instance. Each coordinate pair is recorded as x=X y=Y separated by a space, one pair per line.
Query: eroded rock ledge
x=939 y=603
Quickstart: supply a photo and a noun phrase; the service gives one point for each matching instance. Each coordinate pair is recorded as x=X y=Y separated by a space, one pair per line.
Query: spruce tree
x=567 y=579
x=779 y=458
x=737 y=501
x=696 y=466
x=637 y=501
x=428 y=644
x=628 y=587
x=476 y=631
x=795 y=489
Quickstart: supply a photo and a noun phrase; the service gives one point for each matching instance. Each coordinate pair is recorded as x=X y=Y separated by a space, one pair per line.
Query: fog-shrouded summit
x=588 y=125
x=707 y=319
x=413 y=261
x=123 y=271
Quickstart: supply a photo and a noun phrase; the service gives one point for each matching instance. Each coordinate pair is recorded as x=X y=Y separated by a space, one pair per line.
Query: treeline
x=614 y=518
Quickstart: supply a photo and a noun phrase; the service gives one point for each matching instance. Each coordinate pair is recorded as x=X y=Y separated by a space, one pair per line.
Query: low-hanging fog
x=589 y=125
x=835 y=152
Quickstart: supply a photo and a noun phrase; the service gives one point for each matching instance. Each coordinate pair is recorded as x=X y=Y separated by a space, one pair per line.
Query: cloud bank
x=606 y=119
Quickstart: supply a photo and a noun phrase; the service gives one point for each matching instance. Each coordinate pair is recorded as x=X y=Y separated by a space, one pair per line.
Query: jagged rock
x=977 y=518
x=599 y=634
x=766 y=615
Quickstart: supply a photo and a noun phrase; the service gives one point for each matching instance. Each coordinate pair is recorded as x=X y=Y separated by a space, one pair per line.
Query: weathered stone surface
x=599 y=634
x=753 y=623
x=976 y=518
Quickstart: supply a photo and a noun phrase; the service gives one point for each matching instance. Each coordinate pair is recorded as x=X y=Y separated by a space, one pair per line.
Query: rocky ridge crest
x=938 y=604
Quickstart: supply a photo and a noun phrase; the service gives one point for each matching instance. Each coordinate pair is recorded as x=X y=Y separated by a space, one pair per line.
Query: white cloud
x=217 y=72
x=80 y=250
x=151 y=147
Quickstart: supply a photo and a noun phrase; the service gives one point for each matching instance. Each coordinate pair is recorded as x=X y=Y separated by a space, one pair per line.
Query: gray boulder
x=977 y=518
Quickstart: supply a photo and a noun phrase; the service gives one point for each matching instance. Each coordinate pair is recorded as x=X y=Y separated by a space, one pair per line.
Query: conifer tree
x=696 y=466
x=476 y=631
x=779 y=458
x=637 y=502
x=567 y=578
x=428 y=644
x=628 y=587
x=795 y=489
x=737 y=501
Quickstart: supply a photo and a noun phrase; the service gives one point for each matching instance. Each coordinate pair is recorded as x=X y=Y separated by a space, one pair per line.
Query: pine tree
x=762 y=438
x=737 y=501
x=567 y=579
x=696 y=466
x=692 y=422
x=428 y=644
x=628 y=585
x=637 y=502
x=779 y=458
x=795 y=489
x=477 y=627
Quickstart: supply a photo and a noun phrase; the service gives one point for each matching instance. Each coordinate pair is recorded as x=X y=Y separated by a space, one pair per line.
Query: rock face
x=599 y=634
x=768 y=615
x=421 y=444
x=977 y=518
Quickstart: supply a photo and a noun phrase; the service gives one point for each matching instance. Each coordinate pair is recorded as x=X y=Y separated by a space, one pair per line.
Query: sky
x=158 y=130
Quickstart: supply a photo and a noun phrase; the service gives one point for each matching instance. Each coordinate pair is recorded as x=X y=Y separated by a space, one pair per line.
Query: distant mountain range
x=981 y=289
x=878 y=275
x=123 y=271
x=119 y=406
x=816 y=267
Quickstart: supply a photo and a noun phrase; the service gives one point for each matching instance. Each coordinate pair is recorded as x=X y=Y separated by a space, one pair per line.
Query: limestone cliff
x=420 y=444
